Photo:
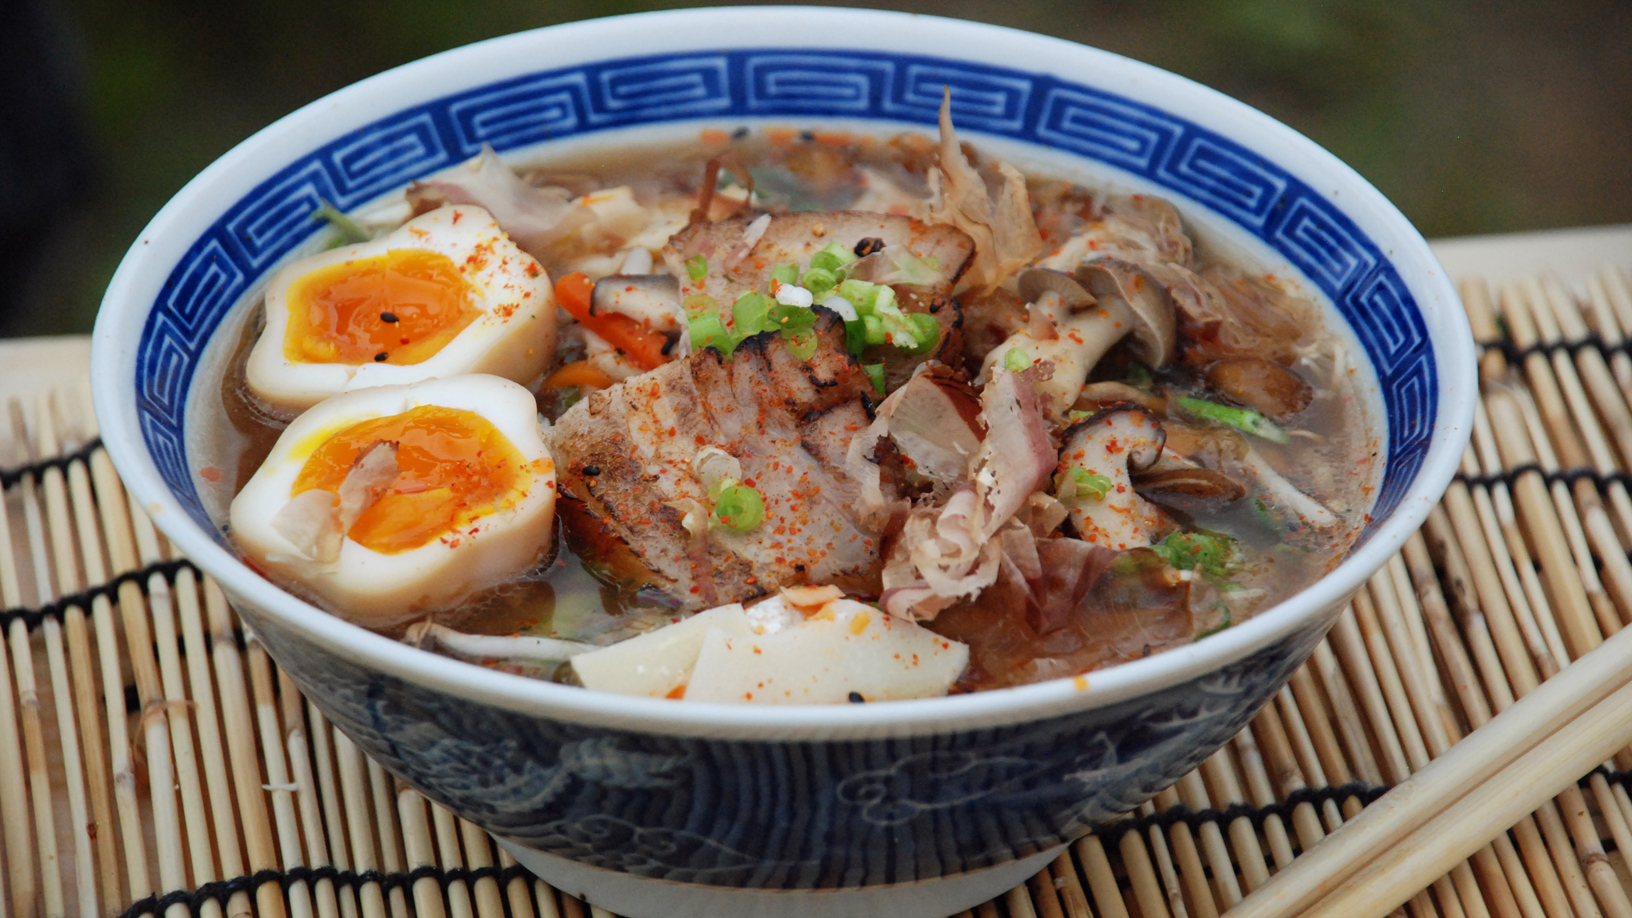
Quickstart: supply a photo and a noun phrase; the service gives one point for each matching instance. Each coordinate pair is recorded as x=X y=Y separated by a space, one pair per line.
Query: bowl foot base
x=643 y=897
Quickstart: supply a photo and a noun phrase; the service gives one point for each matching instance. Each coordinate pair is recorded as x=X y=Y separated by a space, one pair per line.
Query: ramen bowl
x=649 y=806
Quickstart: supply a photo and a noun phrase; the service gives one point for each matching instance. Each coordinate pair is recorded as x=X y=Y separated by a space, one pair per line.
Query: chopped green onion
x=697 y=306
x=1092 y=484
x=720 y=486
x=697 y=267
x=884 y=301
x=709 y=331
x=875 y=372
x=820 y=282
x=739 y=508
x=1243 y=419
x=350 y=232
x=1139 y=376
x=932 y=261
x=786 y=273
x=790 y=319
x=1077 y=414
x=803 y=344
x=860 y=293
x=873 y=329
x=1212 y=553
x=1016 y=360
x=832 y=258
x=926 y=330
x=750 y=314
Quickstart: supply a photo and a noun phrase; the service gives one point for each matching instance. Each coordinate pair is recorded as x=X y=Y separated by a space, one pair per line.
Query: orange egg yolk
x=401 y=307
x=454 y=467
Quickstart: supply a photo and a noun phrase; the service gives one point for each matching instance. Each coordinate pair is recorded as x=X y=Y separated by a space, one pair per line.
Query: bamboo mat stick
x=14 y=796
x=44 y=817
x=62 y=413
x=386 y=821
x=1567 y=445
x=1102 y=885
x=371 y=898
x=479 y=856
x=1611 y=329
x=244 y=762
x=1304 y=755
x=201 y=681
x=1263 y=795
x=39 y=779
x=421 y=853
x=1165 y=870
x=516 y=893
x=1193 y=791
x=306 y=793
x=1064 y=879
x=1327 y=752
x=1282 y=775
x=1226 y=790
x=333 y=819
x=1498 y=520
x=1037 y=895
x=1186 y=857
x=1147 y=889
x=447 y=846
x=64 y=676
x=1351 y=724
x=278 y=784
x=1349 y=645
x=172 y=873
x=1501 y=884
x=1521 y=304
x=1397 y=695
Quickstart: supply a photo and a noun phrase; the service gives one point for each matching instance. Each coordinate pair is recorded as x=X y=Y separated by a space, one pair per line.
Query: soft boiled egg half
x=391 y=502
x=446 y=293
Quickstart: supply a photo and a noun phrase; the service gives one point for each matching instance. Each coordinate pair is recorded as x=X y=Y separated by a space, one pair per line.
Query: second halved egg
x=447 y=293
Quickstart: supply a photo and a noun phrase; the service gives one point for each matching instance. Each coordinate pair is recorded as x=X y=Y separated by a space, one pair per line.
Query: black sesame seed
x=739 y=133
x=380 y=357
x=855 y=698
x=868 y=246
x=592 y=470
x=390 y=317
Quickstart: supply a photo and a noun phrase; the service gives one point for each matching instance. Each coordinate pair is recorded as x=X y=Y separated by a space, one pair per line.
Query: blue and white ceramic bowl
x=649 y=806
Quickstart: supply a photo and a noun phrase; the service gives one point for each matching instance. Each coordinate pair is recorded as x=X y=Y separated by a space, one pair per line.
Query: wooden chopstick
x=1497 y=774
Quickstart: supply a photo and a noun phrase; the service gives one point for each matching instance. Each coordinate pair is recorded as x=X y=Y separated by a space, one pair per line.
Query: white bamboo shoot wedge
x=657 y=662
x=847 y=647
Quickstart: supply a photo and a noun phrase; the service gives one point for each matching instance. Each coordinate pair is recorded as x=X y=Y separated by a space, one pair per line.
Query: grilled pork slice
x=739 y=263
x=627 y=453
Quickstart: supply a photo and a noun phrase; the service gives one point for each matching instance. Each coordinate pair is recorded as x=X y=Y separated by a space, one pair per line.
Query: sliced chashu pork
x=735 y=270
x=627 y=452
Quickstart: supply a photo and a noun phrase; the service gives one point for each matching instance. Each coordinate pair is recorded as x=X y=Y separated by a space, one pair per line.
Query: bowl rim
x=119 y=328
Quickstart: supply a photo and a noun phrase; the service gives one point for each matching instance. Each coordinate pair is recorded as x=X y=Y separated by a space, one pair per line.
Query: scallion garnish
x=1243 y=419
x=739 y=508
x=697 y=267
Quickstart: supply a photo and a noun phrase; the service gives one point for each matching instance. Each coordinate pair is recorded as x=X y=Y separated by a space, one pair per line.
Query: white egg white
x=377 y=589
x=513 y=336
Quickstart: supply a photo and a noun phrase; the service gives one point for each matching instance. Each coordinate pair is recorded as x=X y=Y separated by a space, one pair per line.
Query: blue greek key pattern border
x=1254 y=193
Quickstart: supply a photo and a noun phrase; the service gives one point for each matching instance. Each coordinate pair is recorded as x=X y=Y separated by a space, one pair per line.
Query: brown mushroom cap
x=1141 y=456
x=1034 y=282
x=1114 y=280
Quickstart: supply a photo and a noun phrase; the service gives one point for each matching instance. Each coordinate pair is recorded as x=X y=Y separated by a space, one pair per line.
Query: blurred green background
x=1472 y=117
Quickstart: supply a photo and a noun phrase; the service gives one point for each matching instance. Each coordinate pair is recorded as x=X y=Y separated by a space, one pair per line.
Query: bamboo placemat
x=154 y=761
